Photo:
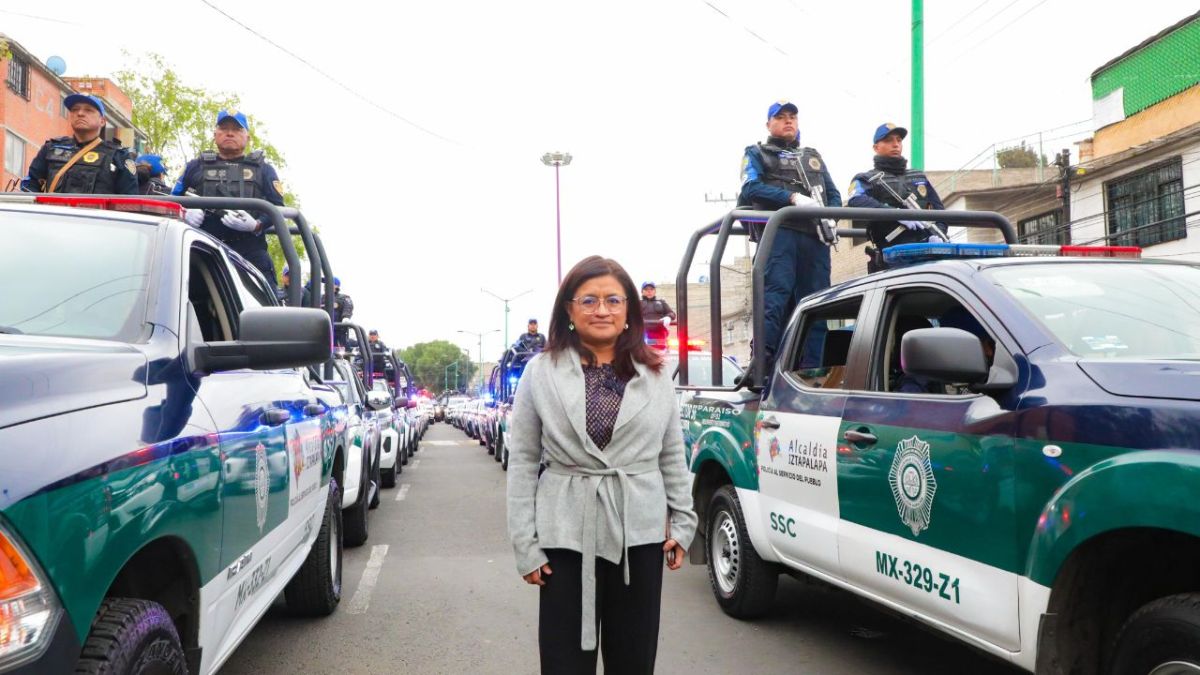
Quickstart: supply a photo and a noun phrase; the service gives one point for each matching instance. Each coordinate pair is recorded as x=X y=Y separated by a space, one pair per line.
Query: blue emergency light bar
x=910 y=254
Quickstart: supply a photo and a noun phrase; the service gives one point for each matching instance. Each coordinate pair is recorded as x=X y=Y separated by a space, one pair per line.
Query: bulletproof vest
x=92 y=174
x=904 y=185
x=231 y=178
x=790 y=169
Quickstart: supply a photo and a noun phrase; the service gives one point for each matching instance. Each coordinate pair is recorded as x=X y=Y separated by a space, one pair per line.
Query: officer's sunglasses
x=589 y=304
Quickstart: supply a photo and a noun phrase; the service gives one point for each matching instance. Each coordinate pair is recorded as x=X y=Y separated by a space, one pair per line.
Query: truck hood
x=41 y=376
x=1178 y=380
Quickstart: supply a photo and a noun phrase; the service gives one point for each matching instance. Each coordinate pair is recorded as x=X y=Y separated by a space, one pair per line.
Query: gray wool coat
x=597 y=502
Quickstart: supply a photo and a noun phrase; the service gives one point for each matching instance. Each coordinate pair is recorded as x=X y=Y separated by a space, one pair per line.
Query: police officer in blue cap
x=82 y=163
x=343 y=310
x=778 y=173
x=891 y=184
x=531 y=340
x=150 y=175
x=230 y=172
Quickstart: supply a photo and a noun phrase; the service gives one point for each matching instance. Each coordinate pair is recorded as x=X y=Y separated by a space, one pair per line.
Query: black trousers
x=627 y=615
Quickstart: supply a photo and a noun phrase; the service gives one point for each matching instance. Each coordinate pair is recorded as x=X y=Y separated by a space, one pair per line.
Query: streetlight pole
x=506 y=301
x=480 y=336
x=557 y=159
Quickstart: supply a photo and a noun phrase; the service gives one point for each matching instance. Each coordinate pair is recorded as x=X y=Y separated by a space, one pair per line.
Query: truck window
x=912 y=309
x=818 y=358
x=250 y=288
x=211 y=295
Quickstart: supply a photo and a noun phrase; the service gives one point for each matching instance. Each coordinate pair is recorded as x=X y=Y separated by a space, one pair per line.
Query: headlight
x=29 y=610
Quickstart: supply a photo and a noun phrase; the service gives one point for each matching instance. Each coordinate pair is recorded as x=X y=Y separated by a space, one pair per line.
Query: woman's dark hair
x=631 y=344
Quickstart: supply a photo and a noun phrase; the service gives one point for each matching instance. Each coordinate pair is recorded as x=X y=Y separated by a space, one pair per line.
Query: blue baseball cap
x=285 y=271
x=648 y=284
x=235 y=115
x=888 y=128
x=532 y=320
x=155 y=164
x=337 y=281
x=782 y=106
x=84 y=98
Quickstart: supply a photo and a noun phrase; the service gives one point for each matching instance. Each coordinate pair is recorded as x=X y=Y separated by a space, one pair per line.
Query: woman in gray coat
x=598 y=409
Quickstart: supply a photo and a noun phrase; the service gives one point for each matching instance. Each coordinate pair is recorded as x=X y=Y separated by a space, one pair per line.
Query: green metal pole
x=917 y=137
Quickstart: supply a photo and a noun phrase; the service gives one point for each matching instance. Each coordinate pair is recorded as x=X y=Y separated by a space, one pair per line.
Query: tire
x=387 y=477
x=1166 y=631
x=404 y=455
x=376 y=481
x=316 y=589
x=132 y=636
x=498 y=453
x=504 y=461
x=354 y=531
x=743 y=583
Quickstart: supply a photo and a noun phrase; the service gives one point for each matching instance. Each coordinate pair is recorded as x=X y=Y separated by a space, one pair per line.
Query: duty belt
x=596 y=476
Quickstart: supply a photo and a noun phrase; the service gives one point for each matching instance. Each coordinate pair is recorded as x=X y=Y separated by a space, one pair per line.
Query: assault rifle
x=909 y=202
x=826 y=230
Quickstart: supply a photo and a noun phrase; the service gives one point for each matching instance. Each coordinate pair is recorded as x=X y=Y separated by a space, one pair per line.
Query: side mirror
x=403 y=402
x=379 y=400
x=412 y=404
x=270 y=338
x=945 y=354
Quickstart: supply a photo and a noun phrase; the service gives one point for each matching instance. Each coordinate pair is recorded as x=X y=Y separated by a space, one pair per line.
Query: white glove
x=912 y=224
x=193 y=217
x=800 y=200
x=666 y=322
x=239 y=220
x=937 y=239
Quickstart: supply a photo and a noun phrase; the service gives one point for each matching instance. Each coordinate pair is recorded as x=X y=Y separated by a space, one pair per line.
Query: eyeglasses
x=588 y=304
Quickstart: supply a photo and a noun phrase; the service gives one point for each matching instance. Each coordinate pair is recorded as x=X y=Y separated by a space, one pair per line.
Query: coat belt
x=595 y=478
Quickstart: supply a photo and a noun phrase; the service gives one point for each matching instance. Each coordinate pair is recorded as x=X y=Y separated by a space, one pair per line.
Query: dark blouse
x=604 y=392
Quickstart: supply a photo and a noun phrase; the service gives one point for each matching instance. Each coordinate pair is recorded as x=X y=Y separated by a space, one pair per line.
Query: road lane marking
x=442 y=442
x=370 y=577
x=403 y=491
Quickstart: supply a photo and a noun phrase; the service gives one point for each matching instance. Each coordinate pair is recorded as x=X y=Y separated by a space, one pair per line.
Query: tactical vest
x=789 y=168
x=231 y=178
x=904 y=185
x=94 y=173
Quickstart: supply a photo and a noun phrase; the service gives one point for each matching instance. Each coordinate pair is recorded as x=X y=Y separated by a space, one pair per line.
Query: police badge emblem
x=913 y=483
x=814 y=163
x=262 y=485
x=90 y=157
x=247 y=174
x=922 y=190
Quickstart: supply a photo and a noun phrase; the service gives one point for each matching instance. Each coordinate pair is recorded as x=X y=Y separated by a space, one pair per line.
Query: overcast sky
x=655 y=100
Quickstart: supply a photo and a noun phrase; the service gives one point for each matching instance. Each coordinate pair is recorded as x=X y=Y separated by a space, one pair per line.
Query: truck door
x=796 y=436
x=925 y=478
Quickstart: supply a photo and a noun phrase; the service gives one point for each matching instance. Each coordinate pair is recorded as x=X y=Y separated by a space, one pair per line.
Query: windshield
x=73 y=277
x=700 y=369
x=1135 y=311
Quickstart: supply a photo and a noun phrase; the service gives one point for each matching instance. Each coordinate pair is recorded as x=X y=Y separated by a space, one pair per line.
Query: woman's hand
x=535 y=577
x=674 y=553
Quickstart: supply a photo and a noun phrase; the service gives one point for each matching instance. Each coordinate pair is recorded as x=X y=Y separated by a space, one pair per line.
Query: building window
x=1046 y=228
x=1146 y=208
x=18 y=77
x=14 y=154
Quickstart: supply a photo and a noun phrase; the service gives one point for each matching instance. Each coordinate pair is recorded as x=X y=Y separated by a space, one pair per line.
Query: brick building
x=31 y=109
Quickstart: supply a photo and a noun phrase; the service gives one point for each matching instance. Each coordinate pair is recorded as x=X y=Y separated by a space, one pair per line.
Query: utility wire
x=322 y=73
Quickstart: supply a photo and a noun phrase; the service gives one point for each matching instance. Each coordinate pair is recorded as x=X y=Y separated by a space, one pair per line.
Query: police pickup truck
x=999 y=441
x=167 y=464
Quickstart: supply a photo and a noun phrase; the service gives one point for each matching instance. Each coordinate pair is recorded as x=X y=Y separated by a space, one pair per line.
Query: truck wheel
x=504 y=461
x=355 y=517
x=132 y=636
x=387 y=477
x=376 y=482
x=743 y=583
x=316 y=589
x=1161 y=638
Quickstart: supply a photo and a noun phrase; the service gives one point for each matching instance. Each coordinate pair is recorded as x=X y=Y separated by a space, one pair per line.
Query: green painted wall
x=1156 y=72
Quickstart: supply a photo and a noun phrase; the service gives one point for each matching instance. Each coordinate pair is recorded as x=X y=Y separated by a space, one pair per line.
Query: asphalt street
x=435 y=590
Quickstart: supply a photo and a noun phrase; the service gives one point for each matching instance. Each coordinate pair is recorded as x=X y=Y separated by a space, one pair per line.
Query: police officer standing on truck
x=892 y=185
x=657 y=316
x=531 y=340
x=343 y=310
x=150 y=174
x=230 y=172
x=83 y=163
x=776 y=174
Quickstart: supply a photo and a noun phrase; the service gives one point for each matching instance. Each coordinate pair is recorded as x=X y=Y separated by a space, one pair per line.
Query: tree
x=178 y=121
x=1018 y=157
x=429 y=360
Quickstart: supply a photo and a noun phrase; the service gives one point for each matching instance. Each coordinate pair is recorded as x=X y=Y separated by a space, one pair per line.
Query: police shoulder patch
x=922 y=189
x=278 y=187
x=130 y=166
